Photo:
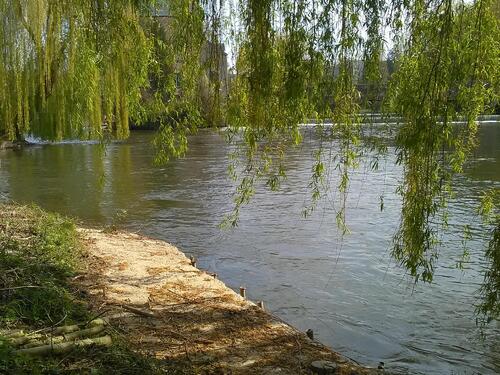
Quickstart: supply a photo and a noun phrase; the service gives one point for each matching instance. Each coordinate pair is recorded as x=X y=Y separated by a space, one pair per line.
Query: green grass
x=117 y=359
x=39 y=253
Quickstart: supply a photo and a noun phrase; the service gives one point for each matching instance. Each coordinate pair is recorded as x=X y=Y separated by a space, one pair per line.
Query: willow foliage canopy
x=84 y=69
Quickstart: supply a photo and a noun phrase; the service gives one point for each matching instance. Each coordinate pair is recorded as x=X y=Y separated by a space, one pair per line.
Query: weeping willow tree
x=69 y=67
x=441 y=79
x=296 y=62
x=76 y=68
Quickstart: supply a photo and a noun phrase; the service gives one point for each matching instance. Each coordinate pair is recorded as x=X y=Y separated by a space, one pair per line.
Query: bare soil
x=175 y=312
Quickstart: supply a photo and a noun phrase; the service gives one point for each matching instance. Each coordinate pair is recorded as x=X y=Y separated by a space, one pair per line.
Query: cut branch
x=65 y=346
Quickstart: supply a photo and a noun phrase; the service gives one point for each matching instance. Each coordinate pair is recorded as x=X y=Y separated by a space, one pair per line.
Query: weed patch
x=39 y=253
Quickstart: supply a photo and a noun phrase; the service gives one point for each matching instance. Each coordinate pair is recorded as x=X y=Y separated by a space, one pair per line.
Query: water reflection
x=346 y=289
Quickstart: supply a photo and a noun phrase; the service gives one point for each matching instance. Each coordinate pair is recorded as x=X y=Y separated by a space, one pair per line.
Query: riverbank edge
x=165 y=315
x=41 y=257
x=13 y=145
x=211 y=328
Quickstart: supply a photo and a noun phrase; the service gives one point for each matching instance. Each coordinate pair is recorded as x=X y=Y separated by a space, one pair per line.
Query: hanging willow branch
x=74 y=68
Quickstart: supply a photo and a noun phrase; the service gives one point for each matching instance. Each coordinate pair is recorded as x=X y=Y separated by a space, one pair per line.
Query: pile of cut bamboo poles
x=58 y=339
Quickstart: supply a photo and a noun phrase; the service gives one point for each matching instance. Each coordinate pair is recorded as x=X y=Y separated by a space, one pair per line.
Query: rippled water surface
x=346 y=289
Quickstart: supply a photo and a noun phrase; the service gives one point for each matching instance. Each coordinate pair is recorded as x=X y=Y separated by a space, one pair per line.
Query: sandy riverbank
x=187 y=316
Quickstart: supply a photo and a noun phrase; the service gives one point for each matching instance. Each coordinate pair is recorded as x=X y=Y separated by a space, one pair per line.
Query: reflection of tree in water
x=489 y=149
x=76 y=179
x=63 y=178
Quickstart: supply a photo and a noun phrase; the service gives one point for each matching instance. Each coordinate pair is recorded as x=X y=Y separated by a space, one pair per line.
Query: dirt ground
x=171 y=310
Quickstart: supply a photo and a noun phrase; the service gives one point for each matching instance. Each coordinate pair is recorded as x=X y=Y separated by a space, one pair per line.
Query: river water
x=347 y=289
